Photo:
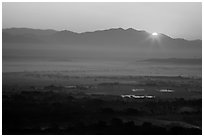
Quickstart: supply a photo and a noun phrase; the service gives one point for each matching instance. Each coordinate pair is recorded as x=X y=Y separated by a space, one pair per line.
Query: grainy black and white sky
x=178 y=20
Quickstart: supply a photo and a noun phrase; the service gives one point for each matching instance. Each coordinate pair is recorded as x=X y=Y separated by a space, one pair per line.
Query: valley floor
x=60 y=103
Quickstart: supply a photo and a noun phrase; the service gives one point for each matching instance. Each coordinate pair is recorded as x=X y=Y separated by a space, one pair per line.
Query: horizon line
x=114 y=28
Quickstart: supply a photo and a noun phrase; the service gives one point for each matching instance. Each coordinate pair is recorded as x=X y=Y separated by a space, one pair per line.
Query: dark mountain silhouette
x=111 y=36
x=116 y=39
x=22 y=38
x=24 y=31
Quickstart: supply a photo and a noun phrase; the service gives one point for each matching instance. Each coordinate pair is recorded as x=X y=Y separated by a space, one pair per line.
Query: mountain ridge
x=115 y=42
x=102 y=30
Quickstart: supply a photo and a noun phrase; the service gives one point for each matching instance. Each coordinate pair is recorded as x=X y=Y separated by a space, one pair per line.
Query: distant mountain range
x=116 y=39
x=111 y=36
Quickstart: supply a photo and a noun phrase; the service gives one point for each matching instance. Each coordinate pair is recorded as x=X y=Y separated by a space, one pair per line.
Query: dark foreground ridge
x=48 y=112
x=48 y=103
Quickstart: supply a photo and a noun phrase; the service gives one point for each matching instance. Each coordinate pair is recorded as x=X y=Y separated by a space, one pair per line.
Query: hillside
x=111 y=41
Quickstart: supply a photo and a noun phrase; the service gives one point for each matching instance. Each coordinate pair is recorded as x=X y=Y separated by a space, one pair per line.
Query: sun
x=154 y=34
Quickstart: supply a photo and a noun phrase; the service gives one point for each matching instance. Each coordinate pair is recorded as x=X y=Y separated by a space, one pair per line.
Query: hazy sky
x=178 y=20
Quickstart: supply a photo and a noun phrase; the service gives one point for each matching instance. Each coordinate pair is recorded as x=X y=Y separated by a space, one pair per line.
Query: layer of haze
x=178 y=20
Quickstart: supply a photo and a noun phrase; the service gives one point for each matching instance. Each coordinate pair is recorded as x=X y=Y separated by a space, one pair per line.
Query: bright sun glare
x=154 y=34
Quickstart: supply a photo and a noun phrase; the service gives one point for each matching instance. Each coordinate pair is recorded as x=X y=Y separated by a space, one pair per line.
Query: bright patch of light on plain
x=154 y=34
